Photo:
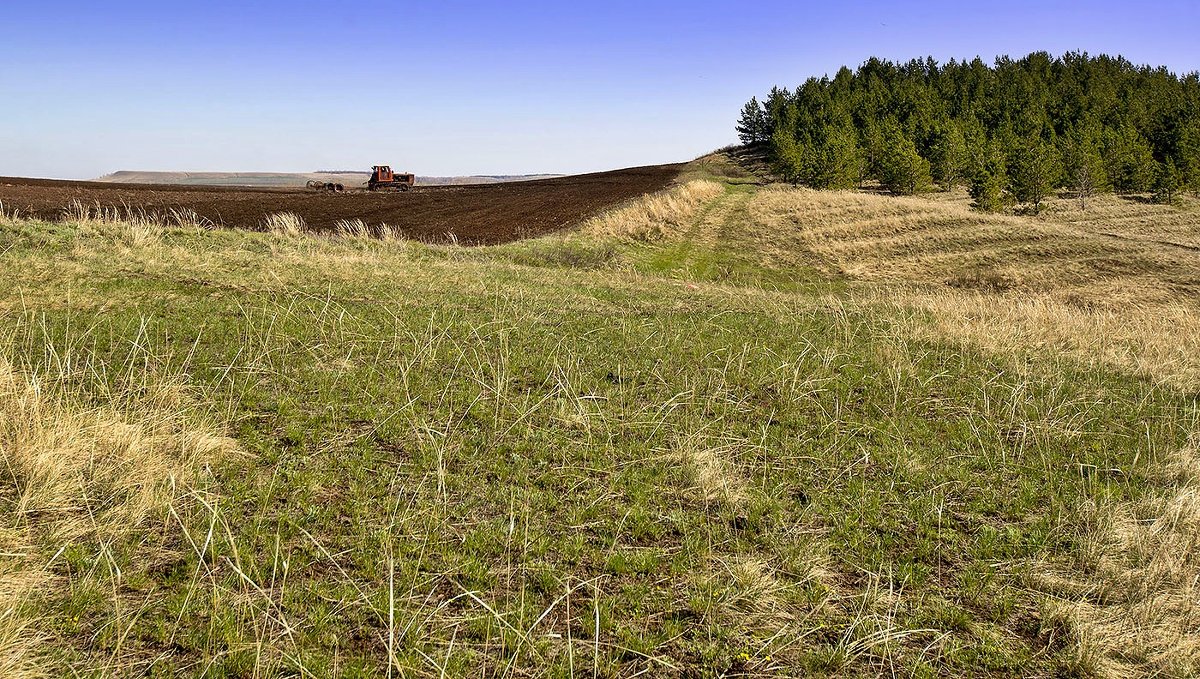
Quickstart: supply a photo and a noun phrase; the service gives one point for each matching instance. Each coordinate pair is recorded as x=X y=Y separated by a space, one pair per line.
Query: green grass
x=560 y=458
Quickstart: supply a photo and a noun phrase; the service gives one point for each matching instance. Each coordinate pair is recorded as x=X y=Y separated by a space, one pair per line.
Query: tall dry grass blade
x=284 y=224
x=351 y=228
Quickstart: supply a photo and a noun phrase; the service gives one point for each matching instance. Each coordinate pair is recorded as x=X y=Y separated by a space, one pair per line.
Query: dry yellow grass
x=79 y=474
x=290 y=224
x=1159 y=341
x=1131 y=220
x=1135 y=611
x=713 y=471
x=882 y=238
x=132 y=226
x=9 y=215
x=749 y=589
x=654 y=216
x=351 y=228
x=285 y=224
x=1069 y=280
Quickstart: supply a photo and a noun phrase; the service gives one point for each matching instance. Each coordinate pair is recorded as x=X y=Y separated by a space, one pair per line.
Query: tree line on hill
x=1017 y=131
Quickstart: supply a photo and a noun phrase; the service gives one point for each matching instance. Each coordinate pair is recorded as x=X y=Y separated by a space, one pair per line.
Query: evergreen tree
x=903 y=170
x=989 y=176
x=837 y=160
x=781 y=112
x=873 y=147
x=1189 y=156
x=1128 y=160
x=948 y=155
x=788 y=156
x=1167 y=183
x=1084 y=168
x=752 y=127
x=1034 y=171
x=987 y=191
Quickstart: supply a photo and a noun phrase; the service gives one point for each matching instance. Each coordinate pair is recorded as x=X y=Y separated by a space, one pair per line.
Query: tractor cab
x=383 y=179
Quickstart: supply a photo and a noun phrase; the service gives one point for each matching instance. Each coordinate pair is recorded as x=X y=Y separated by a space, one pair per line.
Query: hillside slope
x=722 y=430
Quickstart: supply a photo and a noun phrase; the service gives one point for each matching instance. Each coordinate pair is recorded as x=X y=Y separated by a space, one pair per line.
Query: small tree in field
x=902 y=170
x=1128 y=160
x=989 y=177
x=1084 y=168
x=1034 y=172
x=837 y=161
x=949 y=156
x=987 y=191
x=1167 y=184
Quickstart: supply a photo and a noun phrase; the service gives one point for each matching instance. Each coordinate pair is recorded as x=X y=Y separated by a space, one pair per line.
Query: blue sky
x=470 y=87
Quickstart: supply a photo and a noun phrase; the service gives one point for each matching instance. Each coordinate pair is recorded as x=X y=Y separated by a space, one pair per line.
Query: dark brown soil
x=481 y=214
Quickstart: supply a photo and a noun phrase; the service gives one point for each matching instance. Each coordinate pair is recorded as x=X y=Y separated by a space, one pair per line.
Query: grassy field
x=727 y=430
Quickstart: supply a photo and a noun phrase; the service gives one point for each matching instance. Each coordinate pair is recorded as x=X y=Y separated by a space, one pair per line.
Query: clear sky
x=463 y=87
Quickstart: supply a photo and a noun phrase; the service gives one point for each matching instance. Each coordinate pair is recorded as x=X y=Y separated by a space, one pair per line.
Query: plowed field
x=481 y=214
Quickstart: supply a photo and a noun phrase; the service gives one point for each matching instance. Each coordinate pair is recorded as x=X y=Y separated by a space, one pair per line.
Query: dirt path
x=702 y=247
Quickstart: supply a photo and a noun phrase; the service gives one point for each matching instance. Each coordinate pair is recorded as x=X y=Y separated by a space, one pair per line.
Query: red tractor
x=383 y=179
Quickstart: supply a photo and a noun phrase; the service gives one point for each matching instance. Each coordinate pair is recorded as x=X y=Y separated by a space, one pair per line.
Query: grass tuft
x=81 y=473
x=351 y=228
x=286 y=224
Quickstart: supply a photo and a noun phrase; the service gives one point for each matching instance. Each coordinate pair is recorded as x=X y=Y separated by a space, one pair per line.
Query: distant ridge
x=291 y=179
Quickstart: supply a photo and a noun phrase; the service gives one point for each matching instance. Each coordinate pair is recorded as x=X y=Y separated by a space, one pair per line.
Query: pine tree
x=873 y=148
x=781 y=111
x=904 y=171
x=1166 y=185
x=947 y=154
x=1084 y=167
x=1189 y=156
x=789 y=161
x=1034 y=171
x=987 y=191
x=752 y=126
x=837 y=160
x=989 y=176
x=1128 y=160
x=1134 y=114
